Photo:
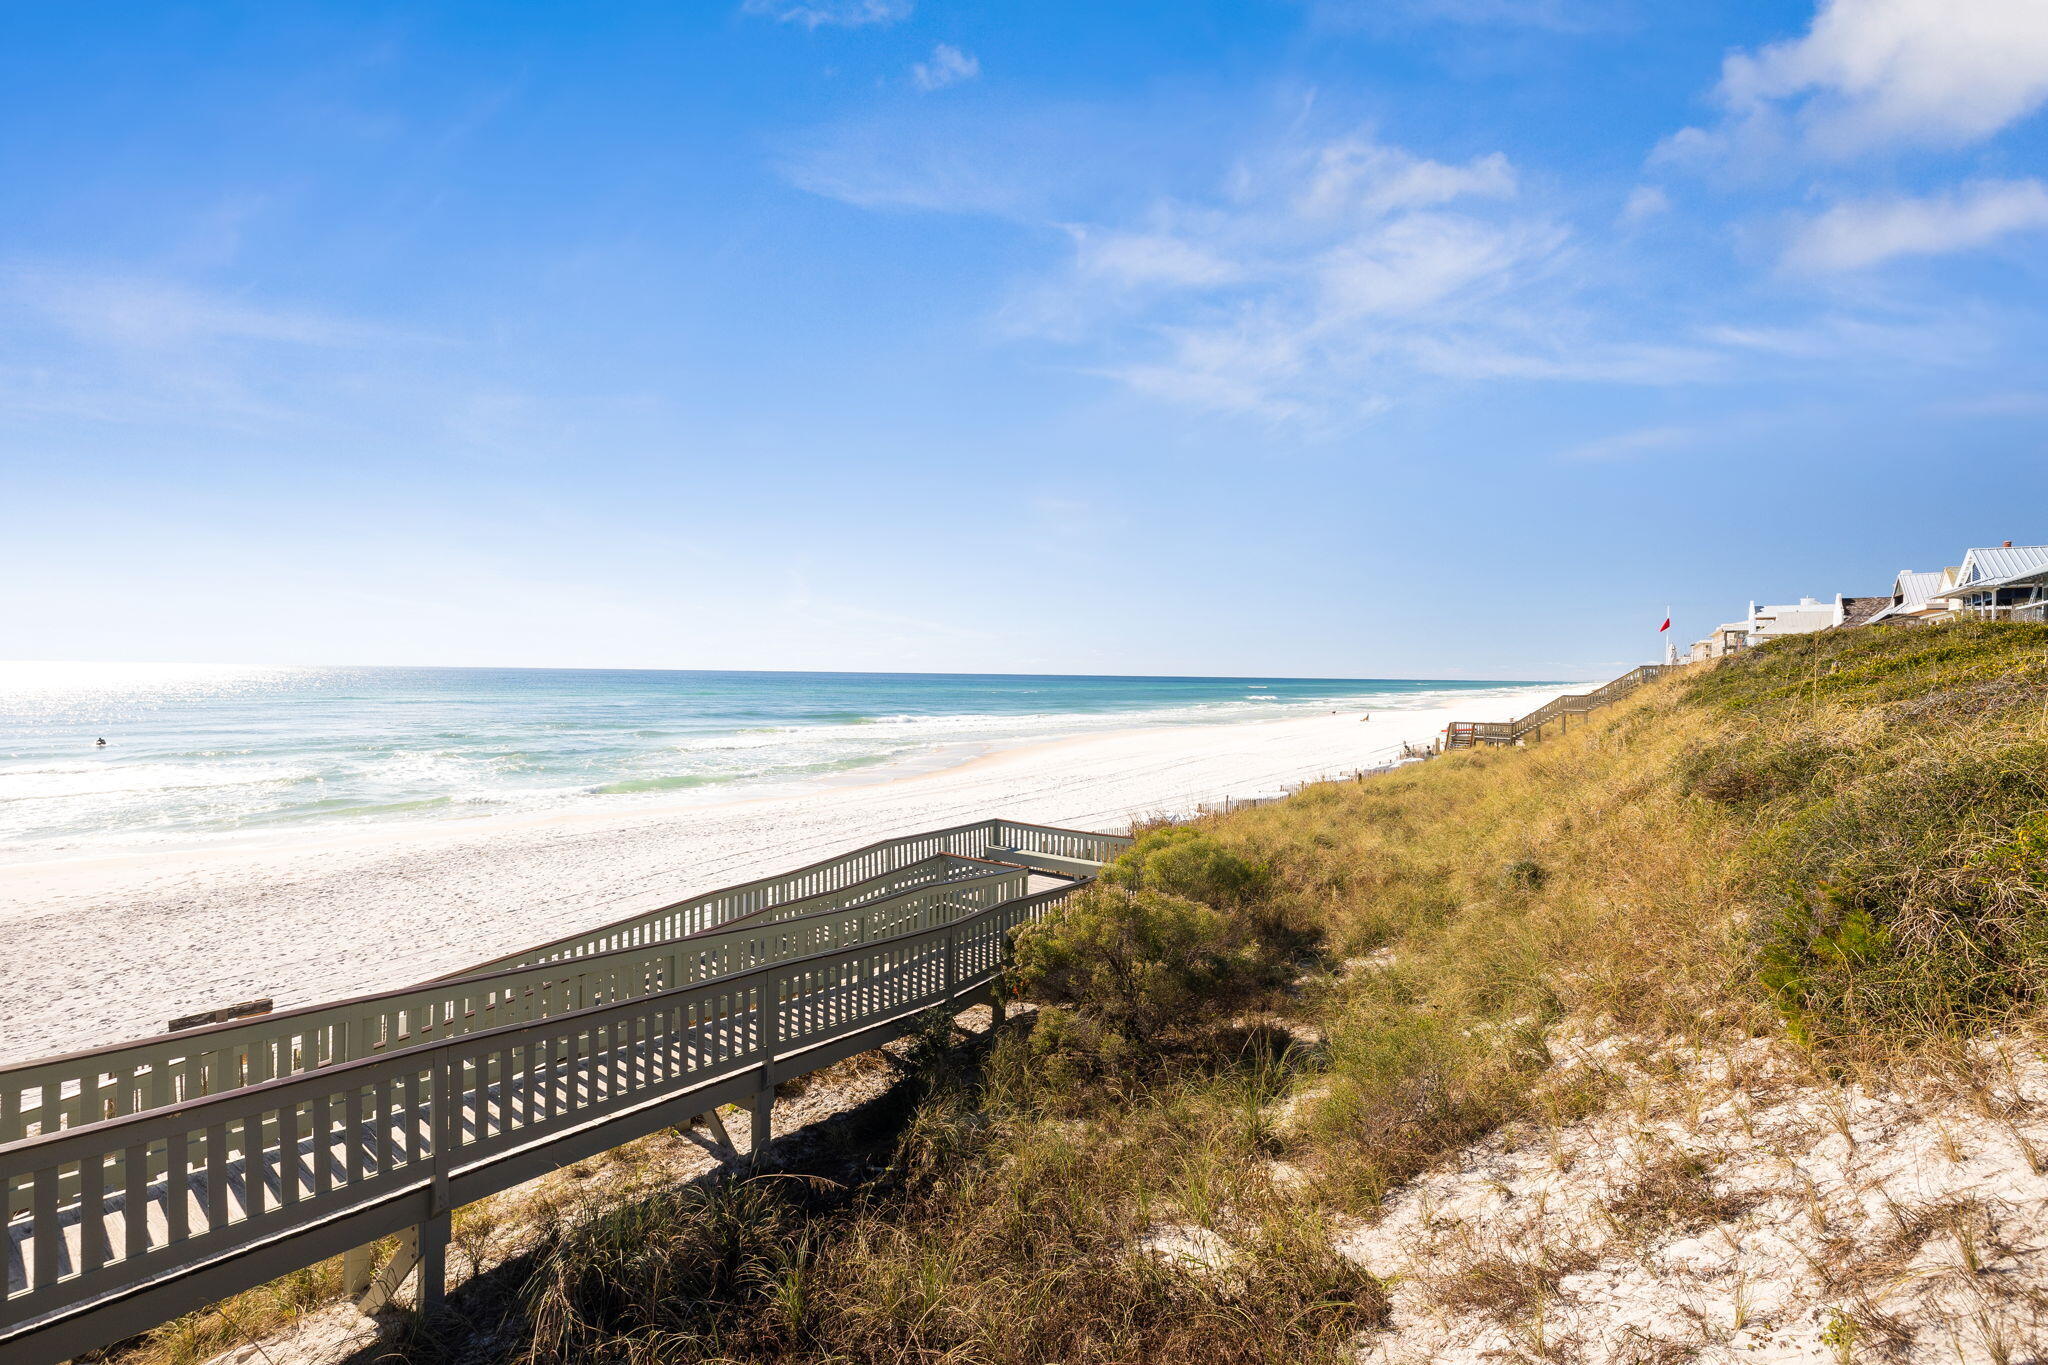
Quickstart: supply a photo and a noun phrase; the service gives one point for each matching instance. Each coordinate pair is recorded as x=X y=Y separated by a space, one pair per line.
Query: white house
x=1730 y=637
x=2000 y=581
x=1770 y=623
x=1920 y=595
x=1808 y=614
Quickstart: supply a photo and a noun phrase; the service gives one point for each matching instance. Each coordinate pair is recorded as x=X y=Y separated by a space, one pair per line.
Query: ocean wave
x=214 y=755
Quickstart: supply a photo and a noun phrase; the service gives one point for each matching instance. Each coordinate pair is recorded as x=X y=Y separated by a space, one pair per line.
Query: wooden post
x=433 y=1243
x=995 y=1002
x=763 y=1106
x=433 y=1234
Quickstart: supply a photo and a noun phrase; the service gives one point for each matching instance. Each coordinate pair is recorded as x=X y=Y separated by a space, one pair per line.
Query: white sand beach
x=98 y=949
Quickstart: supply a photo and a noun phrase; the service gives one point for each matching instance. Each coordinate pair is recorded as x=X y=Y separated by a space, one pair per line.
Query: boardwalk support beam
x=380 y=1291
x=356 y=1265
x=763 y=1107
x=710 y=1119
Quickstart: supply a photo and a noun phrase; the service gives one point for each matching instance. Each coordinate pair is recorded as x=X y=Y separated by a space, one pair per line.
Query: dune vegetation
x=1808 y=881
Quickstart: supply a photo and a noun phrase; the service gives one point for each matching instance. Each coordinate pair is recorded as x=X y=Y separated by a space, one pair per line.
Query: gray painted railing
x=981 y=839
x=176 y=1068
x=149 y=1073
x=176 y=1206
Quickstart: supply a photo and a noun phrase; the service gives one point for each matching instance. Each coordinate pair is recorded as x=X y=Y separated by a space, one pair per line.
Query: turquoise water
x=195 y=753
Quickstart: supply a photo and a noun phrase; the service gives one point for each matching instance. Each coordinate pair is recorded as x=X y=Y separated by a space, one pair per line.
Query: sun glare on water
x=30 y=685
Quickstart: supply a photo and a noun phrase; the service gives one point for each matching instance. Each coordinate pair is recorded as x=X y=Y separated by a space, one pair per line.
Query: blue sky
x=1390 y=338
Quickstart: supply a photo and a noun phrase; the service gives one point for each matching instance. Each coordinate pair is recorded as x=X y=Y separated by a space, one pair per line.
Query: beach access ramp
x=146 y=1179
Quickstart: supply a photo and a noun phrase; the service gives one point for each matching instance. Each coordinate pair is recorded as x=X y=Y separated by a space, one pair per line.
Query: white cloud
x=1325 y=279
x=815 y=14
x=1644 y=203
x=1143 y=259
x=1855 y=235
x=948 y=66
x=1321 y=280
x=1872 y=73
x=1417 y=261
x=1358 y=175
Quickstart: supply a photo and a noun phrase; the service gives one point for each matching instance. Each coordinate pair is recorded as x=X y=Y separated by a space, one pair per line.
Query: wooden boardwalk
x=1469 y=734
x=119 y=1222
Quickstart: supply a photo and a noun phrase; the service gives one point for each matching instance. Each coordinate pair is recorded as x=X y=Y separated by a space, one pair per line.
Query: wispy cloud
x=1859 y=234
x=814 y=14
x=1629 y=444
x=1644 y=203
x=1316 y=283
x=1877 y=73
x=150 y=314
x=1324 y=280
x=1951 y=333
x=873 y=165
x=948 y=66
x=128 y=349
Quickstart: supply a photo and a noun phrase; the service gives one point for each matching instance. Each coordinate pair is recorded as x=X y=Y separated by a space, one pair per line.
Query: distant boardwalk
x=146 y=1179
x=1466 y=734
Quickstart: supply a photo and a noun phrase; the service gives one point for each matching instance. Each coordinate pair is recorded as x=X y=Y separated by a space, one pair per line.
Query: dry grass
x=1001 y=1232
x=248 y=1317
x=1672 y=1192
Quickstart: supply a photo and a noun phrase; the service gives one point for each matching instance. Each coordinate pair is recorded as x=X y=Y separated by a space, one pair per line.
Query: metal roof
x=1913 y=587
x=1985 y=565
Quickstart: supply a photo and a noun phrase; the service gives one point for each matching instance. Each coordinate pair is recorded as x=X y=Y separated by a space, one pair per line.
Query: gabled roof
x=1913 y=587
x=1993 y=564
x=1916 y=590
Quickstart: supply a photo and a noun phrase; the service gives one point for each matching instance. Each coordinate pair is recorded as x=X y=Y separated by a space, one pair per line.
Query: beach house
x=1729 y=637
x=1807 y=614
x=1772 y=622
x=1921 y=595
x=2001 y=582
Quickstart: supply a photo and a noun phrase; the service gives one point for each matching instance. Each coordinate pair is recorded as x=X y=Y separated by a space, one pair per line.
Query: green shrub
x=1183 y=861
x=1144 y=964
x=1178 y=934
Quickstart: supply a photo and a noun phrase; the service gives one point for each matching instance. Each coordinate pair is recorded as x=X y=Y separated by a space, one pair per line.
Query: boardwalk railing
x=983 y=839
x=151 y=1073
x=118 y=1223
x=1466 y=734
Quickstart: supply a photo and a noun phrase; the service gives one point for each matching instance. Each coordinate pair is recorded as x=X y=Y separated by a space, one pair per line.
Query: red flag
x=1666 y=626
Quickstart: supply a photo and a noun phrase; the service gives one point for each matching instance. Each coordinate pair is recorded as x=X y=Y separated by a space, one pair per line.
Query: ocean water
x=195 y=754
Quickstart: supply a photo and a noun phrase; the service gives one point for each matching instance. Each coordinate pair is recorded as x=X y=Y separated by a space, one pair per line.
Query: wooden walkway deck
x=1469 y=734
x=120 y=1222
